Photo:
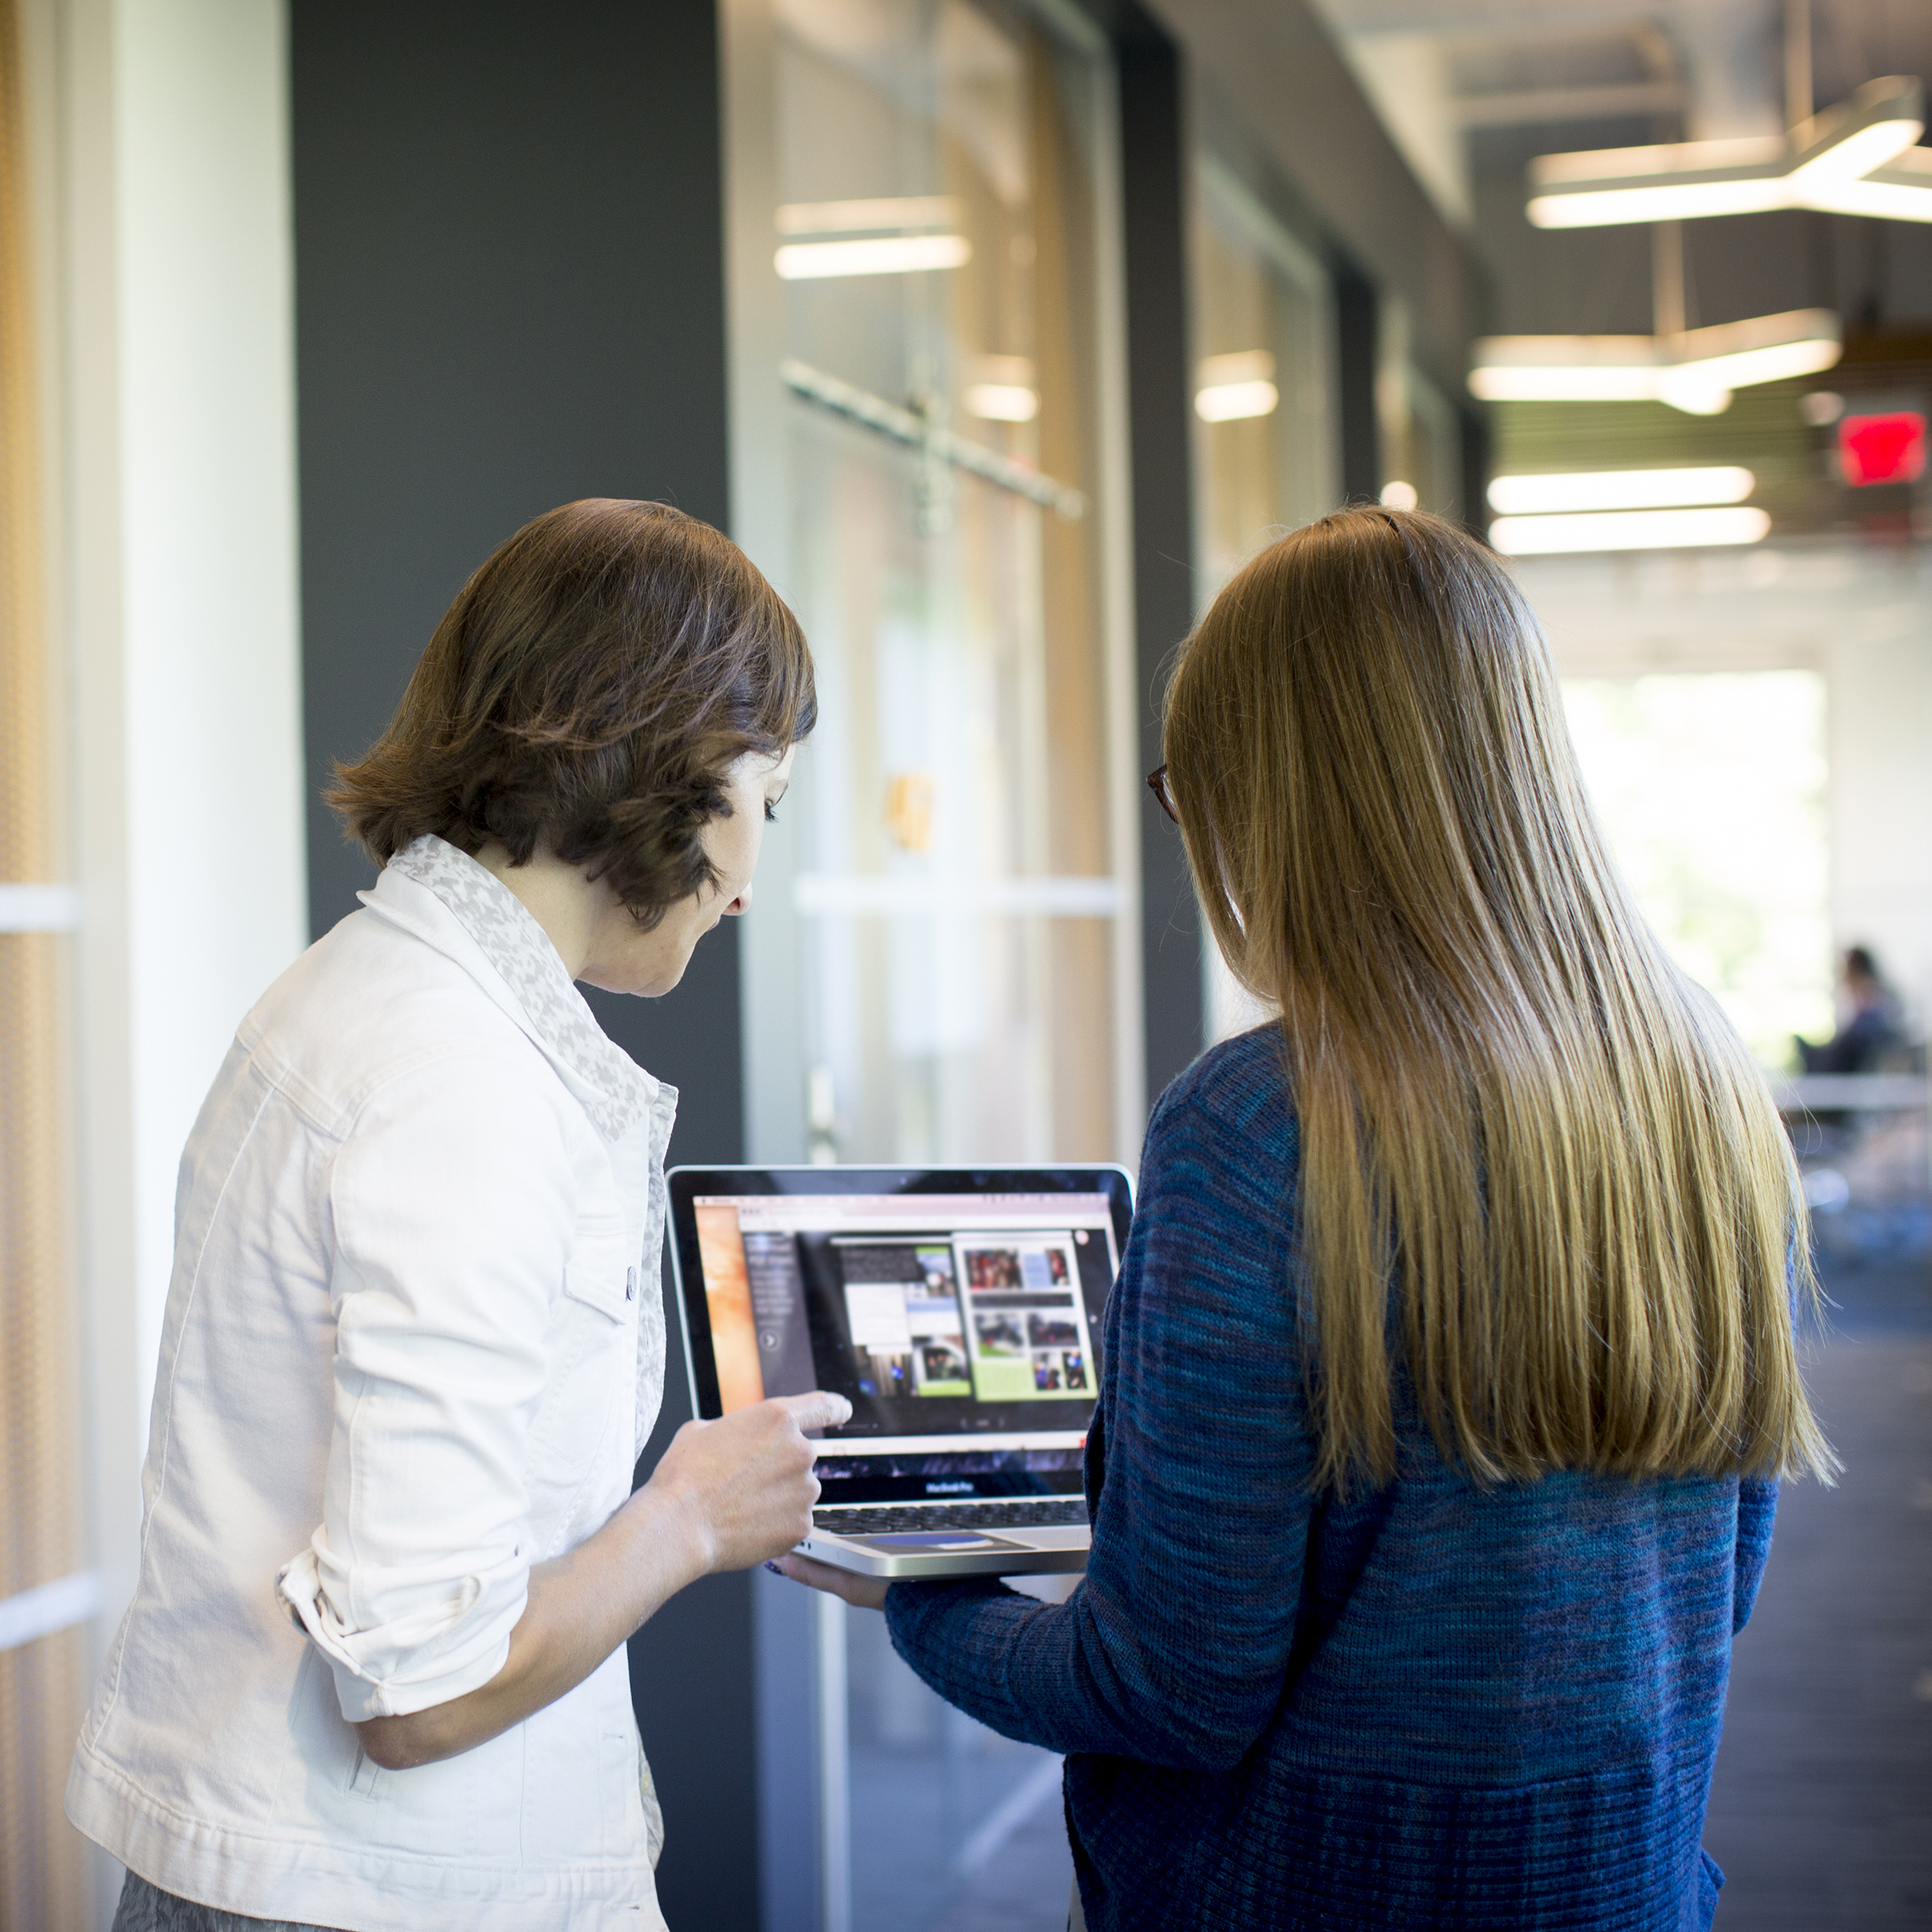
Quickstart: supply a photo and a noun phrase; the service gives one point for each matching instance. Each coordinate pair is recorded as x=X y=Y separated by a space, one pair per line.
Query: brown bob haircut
x=587 y=694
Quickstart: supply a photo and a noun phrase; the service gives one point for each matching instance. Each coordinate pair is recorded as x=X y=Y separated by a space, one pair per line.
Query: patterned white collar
x=616 y=1090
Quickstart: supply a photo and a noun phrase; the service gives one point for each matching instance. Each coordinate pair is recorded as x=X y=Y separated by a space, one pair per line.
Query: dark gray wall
x=1356 y=330
x=1154 y=192
x=510 y=293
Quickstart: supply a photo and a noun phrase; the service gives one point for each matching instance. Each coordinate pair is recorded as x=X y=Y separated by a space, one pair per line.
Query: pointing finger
x=819 y=1410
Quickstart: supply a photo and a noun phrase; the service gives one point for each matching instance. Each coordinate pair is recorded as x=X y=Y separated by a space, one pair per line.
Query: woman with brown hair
x=1449 y=1372
x=373 y=1676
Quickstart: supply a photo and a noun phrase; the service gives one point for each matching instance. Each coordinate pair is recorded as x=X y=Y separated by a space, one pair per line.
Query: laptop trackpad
x=933 y=1542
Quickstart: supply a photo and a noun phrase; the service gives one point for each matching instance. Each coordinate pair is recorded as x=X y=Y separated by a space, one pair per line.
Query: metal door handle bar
x=916 y=431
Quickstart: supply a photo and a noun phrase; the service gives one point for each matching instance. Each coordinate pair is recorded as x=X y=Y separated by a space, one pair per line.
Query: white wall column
x=176 y=354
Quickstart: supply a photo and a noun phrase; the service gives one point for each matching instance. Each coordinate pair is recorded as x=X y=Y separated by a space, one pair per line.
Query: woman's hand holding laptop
x=861 y=1593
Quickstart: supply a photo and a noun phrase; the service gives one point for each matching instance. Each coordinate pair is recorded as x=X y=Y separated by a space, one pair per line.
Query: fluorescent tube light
x=1748 y=364
x=1695 y=196
x=1695 y=371
x=1618 y=489
x=874 y=255
x=1627 y=530
x=1001 y=402
x=1566 y=369
x=1822 y=163
x=849 y=218
x=1231 y=386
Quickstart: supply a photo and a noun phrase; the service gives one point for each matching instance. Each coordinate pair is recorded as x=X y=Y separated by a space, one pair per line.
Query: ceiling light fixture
x=1000 y=389
x=1627 y=530
x=1001 y=402
x=1694 y=370
x=1901 y=191
x=858 y=217
x=1235 y=385
x=1857 y=158
x=871 y=255
x=1618 y=489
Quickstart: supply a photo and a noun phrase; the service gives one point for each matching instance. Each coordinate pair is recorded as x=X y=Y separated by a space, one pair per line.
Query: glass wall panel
x=1264 y=439
x=942 y=962
x=1265 y=453
x=959 y=888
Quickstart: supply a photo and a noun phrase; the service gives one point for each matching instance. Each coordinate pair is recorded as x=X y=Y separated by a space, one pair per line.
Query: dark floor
x=1822 y=1812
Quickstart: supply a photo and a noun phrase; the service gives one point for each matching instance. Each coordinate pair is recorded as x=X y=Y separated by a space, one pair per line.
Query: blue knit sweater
x=1435 y=1705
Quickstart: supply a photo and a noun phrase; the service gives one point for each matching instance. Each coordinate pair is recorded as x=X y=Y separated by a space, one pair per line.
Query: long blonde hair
x=1513 y=1107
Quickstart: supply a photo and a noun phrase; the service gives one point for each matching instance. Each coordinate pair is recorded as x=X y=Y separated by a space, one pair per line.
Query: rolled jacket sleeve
x=452 y=1214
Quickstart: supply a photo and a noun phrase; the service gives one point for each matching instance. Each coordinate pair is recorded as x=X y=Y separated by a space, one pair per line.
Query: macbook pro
x=958 y=1310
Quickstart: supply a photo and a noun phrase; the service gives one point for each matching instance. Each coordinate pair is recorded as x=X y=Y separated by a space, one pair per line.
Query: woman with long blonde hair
x=1450 y=1371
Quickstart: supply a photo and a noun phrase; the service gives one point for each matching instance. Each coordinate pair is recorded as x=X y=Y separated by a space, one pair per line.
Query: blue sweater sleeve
x=1756 y=1506
x=1175 y=1650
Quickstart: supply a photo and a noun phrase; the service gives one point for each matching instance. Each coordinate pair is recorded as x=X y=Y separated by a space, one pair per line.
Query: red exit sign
x=1889 y=448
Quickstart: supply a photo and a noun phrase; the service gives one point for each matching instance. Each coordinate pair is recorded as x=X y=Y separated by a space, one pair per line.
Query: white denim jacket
x=414 y=1345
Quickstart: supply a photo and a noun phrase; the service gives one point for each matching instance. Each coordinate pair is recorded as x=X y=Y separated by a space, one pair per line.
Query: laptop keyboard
x=1017 y=1513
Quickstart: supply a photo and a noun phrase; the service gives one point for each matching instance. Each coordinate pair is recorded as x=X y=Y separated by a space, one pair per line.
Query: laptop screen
x=941 y=1304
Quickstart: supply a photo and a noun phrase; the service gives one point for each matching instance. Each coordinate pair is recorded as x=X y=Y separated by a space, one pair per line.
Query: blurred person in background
x=1449 y=1372
x=374 y=1675
x=1869 y=1029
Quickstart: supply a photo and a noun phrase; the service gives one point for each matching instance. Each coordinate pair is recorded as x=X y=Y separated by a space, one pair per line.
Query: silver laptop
x=960 y=1312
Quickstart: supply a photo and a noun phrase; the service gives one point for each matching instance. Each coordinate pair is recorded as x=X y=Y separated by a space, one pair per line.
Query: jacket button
x=630 y=1284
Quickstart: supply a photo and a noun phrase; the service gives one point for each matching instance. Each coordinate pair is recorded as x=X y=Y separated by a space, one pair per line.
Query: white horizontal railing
x=1851 y=1092
x=886 y=895
x=38 y=908
x=59 y=1605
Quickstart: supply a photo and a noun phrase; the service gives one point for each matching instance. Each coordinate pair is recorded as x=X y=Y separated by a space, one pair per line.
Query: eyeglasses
x=1163 y=795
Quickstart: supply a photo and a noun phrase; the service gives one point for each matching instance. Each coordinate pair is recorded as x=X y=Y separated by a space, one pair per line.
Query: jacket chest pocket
x=591 y=1345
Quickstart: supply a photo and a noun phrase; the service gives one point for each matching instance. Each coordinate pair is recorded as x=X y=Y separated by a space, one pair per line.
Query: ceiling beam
x=1519 y=107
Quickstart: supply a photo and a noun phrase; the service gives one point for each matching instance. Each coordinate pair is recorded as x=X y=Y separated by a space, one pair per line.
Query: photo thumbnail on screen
x=905 y=1301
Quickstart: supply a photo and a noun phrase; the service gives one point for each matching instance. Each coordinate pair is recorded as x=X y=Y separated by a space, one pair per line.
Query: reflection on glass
x=960 y=890
x=1264 y=445
x=1265 y=457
